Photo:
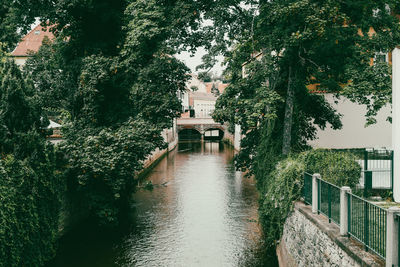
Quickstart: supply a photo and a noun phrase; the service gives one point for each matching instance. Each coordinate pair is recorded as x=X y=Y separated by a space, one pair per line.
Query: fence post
x=392 y=237
x=344 y=210
x=365 y=159
x=315 y=196
x=367 y=183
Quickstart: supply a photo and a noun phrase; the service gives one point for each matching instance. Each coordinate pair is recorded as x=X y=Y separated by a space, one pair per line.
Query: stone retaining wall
x=310 y=240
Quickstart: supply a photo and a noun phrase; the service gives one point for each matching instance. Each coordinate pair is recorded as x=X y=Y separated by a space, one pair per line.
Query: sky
x=194 y=61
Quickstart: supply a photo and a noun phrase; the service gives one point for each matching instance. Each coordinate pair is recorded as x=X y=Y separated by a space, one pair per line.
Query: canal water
x=201 y=212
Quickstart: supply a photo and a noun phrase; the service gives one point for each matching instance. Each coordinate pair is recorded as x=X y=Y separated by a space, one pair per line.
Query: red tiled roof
x=32 y=41
x=221 y=87
x=208 y=87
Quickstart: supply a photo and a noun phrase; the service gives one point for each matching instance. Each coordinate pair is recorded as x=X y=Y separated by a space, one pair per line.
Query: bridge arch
x=189 y=134
x=214 y=133
x=205 y=126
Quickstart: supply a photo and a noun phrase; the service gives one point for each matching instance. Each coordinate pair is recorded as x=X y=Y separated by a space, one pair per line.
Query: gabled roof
x=32 y=41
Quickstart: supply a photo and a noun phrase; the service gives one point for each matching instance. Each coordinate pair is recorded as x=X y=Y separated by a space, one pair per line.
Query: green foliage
x=339 y=168
x=29 y=187
x=112 y=80
x=372 y=87
x=284 y=187
x=253 y=103
x=205 y=77
x=15 y=20
x=149 y=186
x=302 y=43
x=29 y=209
x=281 y=183
x=101 y=167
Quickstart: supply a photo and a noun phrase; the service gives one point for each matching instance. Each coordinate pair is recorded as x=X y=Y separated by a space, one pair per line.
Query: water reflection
x=201 y=213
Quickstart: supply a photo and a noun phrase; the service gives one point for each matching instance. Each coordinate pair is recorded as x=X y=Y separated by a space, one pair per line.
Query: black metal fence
x=329 y=201
x=307 y=188
x=367 y=224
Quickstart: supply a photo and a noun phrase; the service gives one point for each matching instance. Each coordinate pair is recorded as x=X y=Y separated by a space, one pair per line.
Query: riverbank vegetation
x=283 y=184
x=30 y=187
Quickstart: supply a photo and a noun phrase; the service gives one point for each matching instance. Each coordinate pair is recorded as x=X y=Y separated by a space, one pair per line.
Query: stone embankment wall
x=310 y=240
x=171 y=137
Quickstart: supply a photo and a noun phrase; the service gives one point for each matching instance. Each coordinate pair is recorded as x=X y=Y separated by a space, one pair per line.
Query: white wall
x=237 y=137
x=185 y=100
x=203 y=108
x=354 y=134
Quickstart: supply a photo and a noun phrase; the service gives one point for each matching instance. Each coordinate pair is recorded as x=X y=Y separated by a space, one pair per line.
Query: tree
x=30 y=190
x=115 y=85
x=214 y=90
x=327 y=44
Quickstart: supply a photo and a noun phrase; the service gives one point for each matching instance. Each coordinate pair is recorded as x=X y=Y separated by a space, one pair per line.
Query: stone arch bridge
x=201 y=125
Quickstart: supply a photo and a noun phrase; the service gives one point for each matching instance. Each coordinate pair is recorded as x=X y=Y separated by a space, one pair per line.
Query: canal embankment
x=309 y=239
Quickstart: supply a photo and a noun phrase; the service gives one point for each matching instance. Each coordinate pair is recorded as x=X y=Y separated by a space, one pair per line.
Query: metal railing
x=307 y=188
x=367 y=224
x=329 y=200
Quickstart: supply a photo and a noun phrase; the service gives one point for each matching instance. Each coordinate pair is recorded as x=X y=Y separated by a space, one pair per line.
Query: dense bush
x=29 y=209
x=339 y=168
x=29 y=186
x=277 y=199
x=283 y=185
x=101 y=166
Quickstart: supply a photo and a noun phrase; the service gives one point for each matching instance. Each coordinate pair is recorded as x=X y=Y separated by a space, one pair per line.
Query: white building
x=354 y=133
x=203 y=104
x=198 y=101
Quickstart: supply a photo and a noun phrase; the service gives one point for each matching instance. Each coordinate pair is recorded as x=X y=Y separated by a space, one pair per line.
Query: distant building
x=203 y=104
x=216 y=87
x=199 y=99
x=56 y=137
x=30 y=44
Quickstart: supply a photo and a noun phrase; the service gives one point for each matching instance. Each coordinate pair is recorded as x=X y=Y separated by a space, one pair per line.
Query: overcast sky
x=194 y=61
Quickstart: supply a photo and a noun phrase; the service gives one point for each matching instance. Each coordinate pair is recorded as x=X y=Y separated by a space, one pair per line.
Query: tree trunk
x=288 y=120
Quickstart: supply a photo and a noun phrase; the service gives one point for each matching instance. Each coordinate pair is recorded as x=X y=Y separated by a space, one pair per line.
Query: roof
x=203 y=96
x=221 y=86
x=32 y=41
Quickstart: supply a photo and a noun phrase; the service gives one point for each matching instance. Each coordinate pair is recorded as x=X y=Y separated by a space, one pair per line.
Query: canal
x=201 y=212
